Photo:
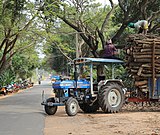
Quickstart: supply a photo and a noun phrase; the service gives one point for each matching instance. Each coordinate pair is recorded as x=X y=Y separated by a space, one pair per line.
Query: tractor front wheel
x=71 y=106
x=111 y=97
x=50 y=110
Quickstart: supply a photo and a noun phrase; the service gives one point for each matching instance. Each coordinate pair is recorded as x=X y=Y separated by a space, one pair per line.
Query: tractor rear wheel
x=87 y=108
x=50 y=110
x=111 y=97
x=71 y=106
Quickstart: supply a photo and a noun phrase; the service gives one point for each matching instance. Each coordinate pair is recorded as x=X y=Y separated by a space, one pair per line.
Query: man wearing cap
x=141 y=26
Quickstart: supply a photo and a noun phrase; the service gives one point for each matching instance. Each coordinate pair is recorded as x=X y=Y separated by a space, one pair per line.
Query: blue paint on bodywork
x=71 y=84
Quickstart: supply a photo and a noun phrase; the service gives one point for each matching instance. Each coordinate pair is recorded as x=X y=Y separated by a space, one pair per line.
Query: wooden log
x=146 y=60
x=146 y=72
x=151 y=40
x=149 y=75
x=138 y=49
x=133 y=71
x=148 y=46
x=144 y=89
x=136 y=77
x=148 y=50
x=142 y=72
x=143 y=86
x=145 y=50
x=142 y=60
x=149 y=70
x=145 y=56
x=137 y=36
x=148 y=65
x=140 y=83
x=143 y=42
x=157 y=70
x=139 y=71
x=128 y=51
x=136 y=65
x=142 y=56
x=139 y=42
x=151 y=36
x=157 y=64
x=157 y=52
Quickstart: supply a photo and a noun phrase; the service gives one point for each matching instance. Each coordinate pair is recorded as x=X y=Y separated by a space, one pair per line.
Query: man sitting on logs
x=141 y=26
x=110 y=51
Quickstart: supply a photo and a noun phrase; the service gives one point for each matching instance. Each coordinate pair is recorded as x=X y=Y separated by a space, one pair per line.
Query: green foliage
x=11 y=12
x=24 y=64
x=19 y=26
x=58 y=37
x=7 y=77
x=59 y=42
x=61 y=36
x=88 y=17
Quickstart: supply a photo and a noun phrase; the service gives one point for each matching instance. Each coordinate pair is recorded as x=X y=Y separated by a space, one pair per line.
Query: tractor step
x=52 y=104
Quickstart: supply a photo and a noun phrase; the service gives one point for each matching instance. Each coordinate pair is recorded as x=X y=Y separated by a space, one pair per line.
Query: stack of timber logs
x=143 y=59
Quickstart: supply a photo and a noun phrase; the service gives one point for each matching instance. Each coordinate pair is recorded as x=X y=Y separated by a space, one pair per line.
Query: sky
x=104 y=2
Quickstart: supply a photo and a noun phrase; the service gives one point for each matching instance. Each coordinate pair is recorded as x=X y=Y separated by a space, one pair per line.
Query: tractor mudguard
x=104 y=82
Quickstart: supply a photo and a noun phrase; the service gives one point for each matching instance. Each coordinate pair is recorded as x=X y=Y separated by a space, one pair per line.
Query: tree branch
x=121 y=6
x=107 y=16
x=82 y=34
x=153 y=16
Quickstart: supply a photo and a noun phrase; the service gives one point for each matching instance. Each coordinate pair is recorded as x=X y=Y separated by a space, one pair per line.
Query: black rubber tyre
x=50 y=110
x=86 y=108
x=71 y=106
x=111 y=98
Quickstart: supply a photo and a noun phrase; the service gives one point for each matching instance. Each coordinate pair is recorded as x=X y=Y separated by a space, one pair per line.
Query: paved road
x=22 y=114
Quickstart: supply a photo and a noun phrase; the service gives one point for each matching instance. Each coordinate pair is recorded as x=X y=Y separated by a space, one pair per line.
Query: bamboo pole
x=153 y=70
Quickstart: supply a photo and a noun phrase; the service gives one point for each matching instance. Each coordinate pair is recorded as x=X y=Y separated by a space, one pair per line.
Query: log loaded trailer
x=143 y=64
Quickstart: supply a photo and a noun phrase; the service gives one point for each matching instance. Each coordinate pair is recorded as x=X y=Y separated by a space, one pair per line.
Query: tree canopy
x=68 y=28
x=92 y=22
x=17 y=25
x=95 y=23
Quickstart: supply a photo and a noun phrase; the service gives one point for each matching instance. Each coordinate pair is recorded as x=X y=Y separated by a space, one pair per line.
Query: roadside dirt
x=132 y=120
x=9 y=94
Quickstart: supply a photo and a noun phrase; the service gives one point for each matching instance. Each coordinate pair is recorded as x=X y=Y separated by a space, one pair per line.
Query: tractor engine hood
x=71 y=84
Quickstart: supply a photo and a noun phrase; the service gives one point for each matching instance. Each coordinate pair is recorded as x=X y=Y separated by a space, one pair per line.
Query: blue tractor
x=89 y=90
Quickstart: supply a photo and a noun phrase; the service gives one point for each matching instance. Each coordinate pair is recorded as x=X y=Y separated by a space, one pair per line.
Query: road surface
x=22 y=113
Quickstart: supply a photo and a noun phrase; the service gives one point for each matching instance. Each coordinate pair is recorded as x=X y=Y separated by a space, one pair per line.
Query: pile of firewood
x=143 y=59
